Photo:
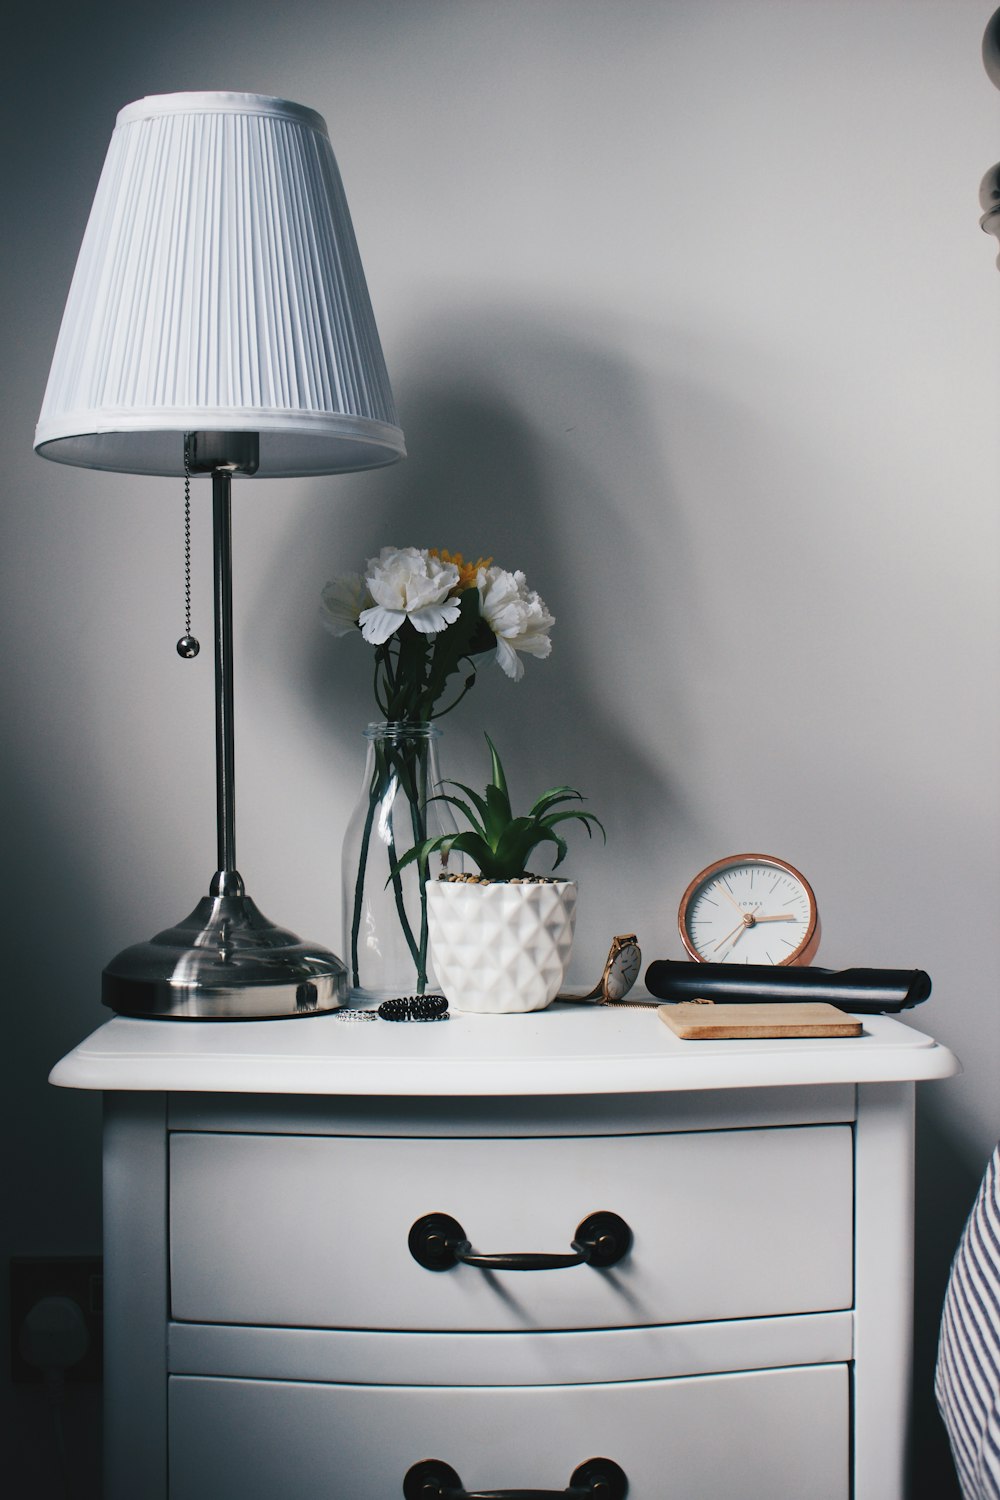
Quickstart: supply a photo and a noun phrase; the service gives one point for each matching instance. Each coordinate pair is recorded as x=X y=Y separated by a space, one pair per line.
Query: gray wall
x=688 y=315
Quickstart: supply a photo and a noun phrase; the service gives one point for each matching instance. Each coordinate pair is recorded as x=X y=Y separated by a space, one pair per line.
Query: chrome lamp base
x=224 y=962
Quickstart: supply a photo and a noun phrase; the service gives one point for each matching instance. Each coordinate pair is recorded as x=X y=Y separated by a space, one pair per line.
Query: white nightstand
x=270 y=1333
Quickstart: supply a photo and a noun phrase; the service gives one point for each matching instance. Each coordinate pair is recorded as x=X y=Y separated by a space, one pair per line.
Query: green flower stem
x=359 y=886
x=393 y=764
x=392 y=767
x=404 y=922
x=418 y=821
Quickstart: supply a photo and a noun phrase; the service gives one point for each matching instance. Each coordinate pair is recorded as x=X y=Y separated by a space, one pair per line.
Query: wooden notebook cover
x=694 y=1022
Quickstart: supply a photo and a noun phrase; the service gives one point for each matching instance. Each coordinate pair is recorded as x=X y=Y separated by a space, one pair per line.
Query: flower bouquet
x=431 y=618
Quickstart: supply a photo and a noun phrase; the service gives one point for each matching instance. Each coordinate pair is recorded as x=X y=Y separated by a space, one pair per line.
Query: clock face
x=622 y=971
x=749 y=909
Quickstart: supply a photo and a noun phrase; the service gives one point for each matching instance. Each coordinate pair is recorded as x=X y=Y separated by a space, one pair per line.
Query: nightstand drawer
x=306 y=1231
x=769 y=1435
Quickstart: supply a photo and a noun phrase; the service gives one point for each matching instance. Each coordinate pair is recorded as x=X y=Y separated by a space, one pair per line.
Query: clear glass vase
x=385 y=914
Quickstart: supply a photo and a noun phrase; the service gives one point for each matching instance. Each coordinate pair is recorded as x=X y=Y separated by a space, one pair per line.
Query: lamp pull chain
x=187 y=646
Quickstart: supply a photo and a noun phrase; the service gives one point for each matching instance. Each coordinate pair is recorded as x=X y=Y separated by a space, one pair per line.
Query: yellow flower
x=468 y=572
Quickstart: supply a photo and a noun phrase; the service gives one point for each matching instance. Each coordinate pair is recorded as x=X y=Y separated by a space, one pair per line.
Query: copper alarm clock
x=749 y=909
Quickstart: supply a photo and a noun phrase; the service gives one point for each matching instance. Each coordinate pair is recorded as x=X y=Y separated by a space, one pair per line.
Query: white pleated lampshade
x=219 y=288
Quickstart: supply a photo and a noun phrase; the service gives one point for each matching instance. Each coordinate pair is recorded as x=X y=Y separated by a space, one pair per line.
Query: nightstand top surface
x=565 y=1050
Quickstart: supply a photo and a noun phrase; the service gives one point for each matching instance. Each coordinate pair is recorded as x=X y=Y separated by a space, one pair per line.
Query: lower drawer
x=766 y=1435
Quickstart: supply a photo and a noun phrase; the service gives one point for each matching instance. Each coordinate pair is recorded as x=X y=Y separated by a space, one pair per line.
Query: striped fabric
x=967 y=1382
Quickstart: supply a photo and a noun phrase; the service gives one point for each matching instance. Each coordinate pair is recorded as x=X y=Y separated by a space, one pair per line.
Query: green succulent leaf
x=469 y=843
x=515 y=844
x=498 y=778
x=560 y=843
x=580 y=817
x=476 y=798
x=463 y=808
x=552 y=799
x=421 y=852
x=539 y=834
x=498 y=813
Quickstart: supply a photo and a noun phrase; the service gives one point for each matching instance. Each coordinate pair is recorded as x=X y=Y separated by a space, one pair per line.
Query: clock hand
x=729 y=897
x=750 y=919
x=734 y=934
x=784 y=916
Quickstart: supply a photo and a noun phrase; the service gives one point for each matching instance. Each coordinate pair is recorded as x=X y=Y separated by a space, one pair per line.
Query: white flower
x=406 y=583
x=343 y=600
x=517 y=617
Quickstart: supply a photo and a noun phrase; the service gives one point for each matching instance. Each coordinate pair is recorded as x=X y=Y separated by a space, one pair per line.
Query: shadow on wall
x=528 y=445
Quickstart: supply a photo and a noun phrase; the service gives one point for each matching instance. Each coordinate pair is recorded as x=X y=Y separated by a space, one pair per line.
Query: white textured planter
x=500 y=948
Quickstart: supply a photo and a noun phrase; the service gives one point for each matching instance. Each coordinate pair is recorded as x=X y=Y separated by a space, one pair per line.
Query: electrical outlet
x=78 y=1277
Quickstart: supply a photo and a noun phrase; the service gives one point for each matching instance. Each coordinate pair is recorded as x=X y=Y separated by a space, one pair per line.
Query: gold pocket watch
x=749 y=909
x=621 y=970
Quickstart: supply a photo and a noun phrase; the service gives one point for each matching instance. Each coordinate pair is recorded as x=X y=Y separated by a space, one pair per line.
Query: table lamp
x=218 y=323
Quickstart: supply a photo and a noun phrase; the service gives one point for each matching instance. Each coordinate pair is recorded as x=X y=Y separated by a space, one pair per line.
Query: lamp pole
x=223 y=454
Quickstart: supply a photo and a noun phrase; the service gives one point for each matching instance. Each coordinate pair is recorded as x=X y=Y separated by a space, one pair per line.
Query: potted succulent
x=500 y=940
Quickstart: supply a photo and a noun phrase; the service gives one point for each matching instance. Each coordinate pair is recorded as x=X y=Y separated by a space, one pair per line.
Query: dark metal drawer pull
x=597 y=1479
x=437 y=1241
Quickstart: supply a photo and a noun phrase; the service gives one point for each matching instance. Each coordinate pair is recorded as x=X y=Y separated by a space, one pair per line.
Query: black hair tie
x=415 y=1008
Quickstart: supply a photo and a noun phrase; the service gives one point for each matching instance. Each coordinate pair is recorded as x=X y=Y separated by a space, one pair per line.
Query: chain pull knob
x=187 y=646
